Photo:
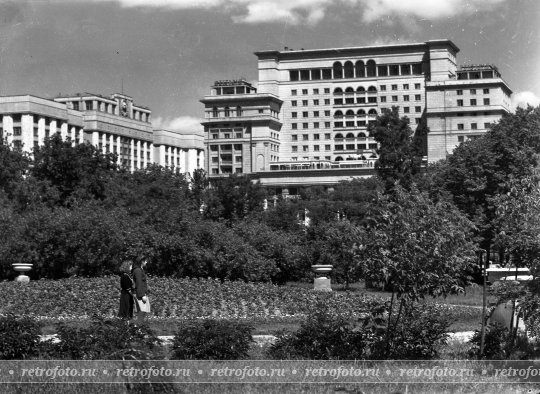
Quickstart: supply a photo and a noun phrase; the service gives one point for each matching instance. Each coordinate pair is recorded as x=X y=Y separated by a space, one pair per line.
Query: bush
x=499 y=344
x=105 y=339
x=417 y=335
x=19 y=337
x=327 y=334
x=324 y=335
x=212 y=340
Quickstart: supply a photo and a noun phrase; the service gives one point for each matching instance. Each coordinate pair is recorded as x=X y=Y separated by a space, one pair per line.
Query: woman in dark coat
x=142 y=304
x=126 y=292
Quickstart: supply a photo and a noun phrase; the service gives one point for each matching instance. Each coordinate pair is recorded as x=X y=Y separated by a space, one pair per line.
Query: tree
x=340 y=243
x=78 y=172
x=13 y=166
x=481 y=169
x=400 y=157
x=416 y=248
x=232 y=198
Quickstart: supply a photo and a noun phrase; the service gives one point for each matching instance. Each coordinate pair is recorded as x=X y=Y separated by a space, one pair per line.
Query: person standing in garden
x=142 y=302
x=126 y=291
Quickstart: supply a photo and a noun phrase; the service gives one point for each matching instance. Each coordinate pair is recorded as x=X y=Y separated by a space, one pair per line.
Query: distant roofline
x=354 y=49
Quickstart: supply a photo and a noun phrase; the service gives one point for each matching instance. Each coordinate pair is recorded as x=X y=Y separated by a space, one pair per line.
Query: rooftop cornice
x=363 y=51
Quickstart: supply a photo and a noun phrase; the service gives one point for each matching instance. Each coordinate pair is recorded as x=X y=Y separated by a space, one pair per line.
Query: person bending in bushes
x=126 y=291
x=142 y=302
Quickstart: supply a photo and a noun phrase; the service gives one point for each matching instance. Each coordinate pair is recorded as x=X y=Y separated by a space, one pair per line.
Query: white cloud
x=313 y=11
x=522 y=99
x=184 y=124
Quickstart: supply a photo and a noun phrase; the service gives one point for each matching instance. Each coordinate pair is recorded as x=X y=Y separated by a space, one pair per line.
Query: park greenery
x=411 y=230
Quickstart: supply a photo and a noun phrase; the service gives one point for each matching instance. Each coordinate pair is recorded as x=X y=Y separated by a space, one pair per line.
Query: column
x=191 y=161
x=162 y=155
x=7 y=124
x=131 y=156
x=118 y=150
x=201 y=159
x=111 y=143
x=145 y=153
x=138 y=159
x=41 y=130
x=27 y=131
x=183 y=166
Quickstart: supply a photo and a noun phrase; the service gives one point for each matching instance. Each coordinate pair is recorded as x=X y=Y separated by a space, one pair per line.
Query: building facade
x=306 y=122
x=113 y=124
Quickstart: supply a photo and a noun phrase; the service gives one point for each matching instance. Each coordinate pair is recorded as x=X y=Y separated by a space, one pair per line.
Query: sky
x=167 y=53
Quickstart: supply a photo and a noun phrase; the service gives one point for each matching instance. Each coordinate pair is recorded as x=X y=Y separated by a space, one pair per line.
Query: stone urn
x=321 y=281
x=22 y=268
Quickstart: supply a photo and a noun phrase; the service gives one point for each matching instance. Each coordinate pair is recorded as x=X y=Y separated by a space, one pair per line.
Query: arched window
x=215 y=112
x=372 y=89
x=349 y=135
x=371 y=68
x=361 y=112
x=339 y=135
x=338 y=114
x=361 y=135
x=238 y=111
x=338 y=91
x=339 y=158
x=360 y=89
x=338 y=70
x=227 y=112
x=349 y=70
x=360 y=69
x=349 y=90
x=372 y=111
x=349 y=113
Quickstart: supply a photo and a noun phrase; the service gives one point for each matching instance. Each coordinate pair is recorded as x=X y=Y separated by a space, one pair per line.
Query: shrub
x=327 y=334
x=105 y=339
x=417 y=335
x=212 y=340
x=499 y=344
x=19 y=337
x=324 y=335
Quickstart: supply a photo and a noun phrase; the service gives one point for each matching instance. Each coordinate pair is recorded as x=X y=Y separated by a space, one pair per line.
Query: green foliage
x=340 y=244
x=399 y=160
x=105 y=339
x=19 y=337
x=232 y=198
x=212 y=340
x=78 y=172
x=170 y=298
x=327 y=333
x=481 y=169
x=417 y=247
x=324 y=335
x=417 y=333
x=499 y=344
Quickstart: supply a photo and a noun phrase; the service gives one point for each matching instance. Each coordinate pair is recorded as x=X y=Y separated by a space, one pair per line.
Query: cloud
x=313 y=11
x=424 y=9
x=522 y=99
x=183 y=124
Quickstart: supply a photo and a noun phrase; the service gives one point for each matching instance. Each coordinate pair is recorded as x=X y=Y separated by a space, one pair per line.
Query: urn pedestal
x=22 y=268
x=321 y=281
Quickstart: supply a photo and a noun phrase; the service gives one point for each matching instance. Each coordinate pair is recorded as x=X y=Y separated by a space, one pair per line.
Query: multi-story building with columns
x=306 y=121
x=114 y=124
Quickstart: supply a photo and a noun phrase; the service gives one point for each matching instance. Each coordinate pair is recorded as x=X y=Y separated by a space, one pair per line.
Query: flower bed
x=171 y=298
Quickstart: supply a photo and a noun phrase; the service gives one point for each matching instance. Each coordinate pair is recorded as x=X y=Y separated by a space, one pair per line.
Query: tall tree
x=78 y=172
x=400 y=156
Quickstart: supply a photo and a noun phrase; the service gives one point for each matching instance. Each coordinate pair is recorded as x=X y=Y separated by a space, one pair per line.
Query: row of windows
x=328 y=148
x=357 y=70
x=473 y=102
x=359 y=89
x=305 y=137
x=225 y=147
x=471 y=91
x=474 y=126
x=316 y=125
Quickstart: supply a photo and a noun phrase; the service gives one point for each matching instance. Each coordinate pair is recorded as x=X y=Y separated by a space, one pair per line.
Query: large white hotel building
x=306 y=121
x=114 y=124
